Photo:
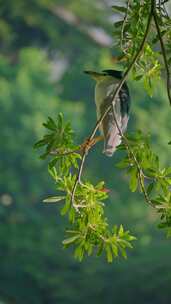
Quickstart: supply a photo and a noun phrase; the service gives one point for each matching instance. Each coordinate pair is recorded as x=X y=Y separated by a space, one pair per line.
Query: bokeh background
x=45 y=46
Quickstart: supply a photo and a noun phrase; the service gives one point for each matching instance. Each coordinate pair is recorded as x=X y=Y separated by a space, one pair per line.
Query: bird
x=106 y=84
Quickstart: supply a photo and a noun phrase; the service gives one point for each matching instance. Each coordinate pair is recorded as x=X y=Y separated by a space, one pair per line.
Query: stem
x=124 y=23
x=99 y=235
x=130 y=152
x=78 y=178
x=154 y=13
x=113 y=98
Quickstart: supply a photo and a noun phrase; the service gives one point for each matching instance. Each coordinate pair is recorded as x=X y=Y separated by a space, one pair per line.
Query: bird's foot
x=89 y=143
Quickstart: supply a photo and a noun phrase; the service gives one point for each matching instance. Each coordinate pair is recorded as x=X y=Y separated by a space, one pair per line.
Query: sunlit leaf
x=70 y=240
x=54 y=199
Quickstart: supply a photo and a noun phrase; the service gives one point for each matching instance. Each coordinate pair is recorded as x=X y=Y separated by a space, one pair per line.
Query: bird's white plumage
x=103 y=98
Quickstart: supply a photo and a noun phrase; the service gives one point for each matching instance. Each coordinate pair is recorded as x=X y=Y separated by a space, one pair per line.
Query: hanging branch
x=130 y=152
x=124 y=23
x=115 y=94
x=154 y=13
x=90 y=231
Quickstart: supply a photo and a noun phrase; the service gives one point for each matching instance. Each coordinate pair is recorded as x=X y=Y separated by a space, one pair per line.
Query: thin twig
x=130 y=152
x=163 y=53
x=115 y=94
x=124 y=23
x=78 y=178
x=99 y=235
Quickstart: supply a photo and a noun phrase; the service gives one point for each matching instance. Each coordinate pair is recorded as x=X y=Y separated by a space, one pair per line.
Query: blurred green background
x=45 y=46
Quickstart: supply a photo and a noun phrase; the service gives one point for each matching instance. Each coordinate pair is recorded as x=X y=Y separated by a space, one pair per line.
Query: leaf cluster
x=88 y=230
x=130 y=31
x=59 y=143
x=143 y=168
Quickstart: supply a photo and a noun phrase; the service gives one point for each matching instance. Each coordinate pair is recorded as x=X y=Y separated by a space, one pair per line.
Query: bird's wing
x=109 y=128
x=125 y=103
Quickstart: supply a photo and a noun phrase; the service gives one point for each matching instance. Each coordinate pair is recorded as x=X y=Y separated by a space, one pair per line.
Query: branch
x=114 y=96
x=163 y=53
x=78 y=179
x=137 y=55
x=124 y=23
x=130 y=152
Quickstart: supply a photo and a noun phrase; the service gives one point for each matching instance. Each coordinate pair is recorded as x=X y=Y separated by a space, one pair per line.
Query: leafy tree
x=34 y=268
x=84 y=201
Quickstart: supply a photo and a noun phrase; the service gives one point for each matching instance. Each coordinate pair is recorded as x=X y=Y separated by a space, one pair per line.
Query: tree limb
x=130 y=152
x=115 y=94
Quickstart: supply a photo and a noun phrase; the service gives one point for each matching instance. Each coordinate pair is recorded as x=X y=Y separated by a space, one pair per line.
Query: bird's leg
x=89 y=143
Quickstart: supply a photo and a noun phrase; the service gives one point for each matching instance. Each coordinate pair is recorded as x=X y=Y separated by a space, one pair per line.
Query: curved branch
x=137 y=55
x=130 y=152
x=114 y=96
x=77 y=181
x=124 y=23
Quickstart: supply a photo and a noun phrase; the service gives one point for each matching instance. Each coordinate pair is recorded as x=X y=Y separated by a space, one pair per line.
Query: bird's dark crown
x=113 y=73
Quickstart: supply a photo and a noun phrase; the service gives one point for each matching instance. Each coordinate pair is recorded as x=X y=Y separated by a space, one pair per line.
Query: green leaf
x=120 y=9
x=133 y=184
x=123 y=252
x=66 y=207
x=79 y=253
x=138 y=77
x=115 y=250
x=124 y=163
x=90 y=249
x=168 y=171
x=118 y=24
x=121 y=231
x=54 y=199
x=150 y=188
x=71 y=240
x=163 y=225
x=60 y=121
x=100 y=248
x=53 y=172
x=53 y=162
x=50 y=124
x=109 y=254
x=131 y=238
x=39 y=144
x=126 y=244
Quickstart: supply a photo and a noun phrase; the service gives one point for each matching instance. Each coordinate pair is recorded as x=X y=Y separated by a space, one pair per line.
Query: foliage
x=89 y=228
x=143 y=167
x=34 y=267
x=84 y=204
x=130 y=32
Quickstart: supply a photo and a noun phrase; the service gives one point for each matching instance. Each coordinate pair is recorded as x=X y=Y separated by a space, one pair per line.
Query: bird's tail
x=111 y=142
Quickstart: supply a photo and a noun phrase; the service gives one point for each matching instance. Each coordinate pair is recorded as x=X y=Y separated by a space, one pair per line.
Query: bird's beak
x=96 y=76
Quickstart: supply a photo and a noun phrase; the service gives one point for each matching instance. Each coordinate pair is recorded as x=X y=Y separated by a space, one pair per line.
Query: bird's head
x=105 y=73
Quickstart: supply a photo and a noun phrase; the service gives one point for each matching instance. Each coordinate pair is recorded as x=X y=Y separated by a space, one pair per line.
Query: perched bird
x=106 y=83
